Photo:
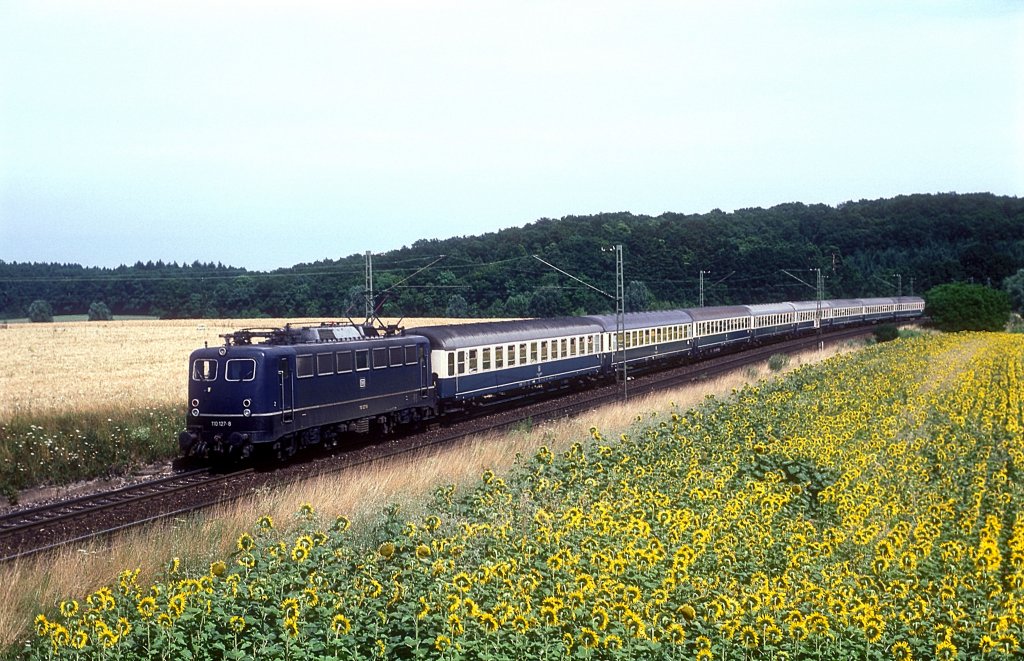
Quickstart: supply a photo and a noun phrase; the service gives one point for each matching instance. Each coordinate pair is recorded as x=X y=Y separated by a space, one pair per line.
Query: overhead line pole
x=620 y=306
x=620 y=317
x=369 y=286
x=819 y=294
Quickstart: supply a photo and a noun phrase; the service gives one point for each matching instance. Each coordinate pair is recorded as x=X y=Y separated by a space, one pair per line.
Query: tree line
x=905 y=244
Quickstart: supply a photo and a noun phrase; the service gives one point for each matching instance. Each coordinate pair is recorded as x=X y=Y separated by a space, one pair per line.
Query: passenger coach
x=647 y=337
x=492 y=358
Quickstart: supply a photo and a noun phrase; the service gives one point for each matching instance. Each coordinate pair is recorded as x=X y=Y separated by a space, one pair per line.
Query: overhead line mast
x=620 y=305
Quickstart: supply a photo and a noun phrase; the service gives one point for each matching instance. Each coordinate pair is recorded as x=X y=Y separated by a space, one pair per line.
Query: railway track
x=30 y=531
x=48 y=526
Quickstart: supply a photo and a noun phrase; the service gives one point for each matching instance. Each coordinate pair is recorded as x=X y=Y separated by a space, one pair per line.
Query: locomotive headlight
x=195 y=402
x=246 y=412
x=245 y=402
x=195 y=413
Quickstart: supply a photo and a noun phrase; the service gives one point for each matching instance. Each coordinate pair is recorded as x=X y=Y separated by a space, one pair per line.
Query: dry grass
x=36 y=584
x=110 y=365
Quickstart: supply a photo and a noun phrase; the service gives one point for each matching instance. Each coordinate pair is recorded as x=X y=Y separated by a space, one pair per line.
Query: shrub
x=885 y=333
x=99 y=311
x=960 y=307
x=778 y=361
x=40 y=311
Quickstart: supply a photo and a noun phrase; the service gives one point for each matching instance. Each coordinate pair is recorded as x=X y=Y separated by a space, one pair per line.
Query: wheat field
x=112 y=365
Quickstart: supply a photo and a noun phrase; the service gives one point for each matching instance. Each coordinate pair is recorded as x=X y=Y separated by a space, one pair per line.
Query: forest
x=884 y=247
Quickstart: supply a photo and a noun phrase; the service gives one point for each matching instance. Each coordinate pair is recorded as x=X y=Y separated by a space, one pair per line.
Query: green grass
x=64 y=448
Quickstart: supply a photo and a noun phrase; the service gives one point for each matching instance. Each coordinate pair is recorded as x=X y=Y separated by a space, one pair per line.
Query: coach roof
x=720 y=312
x=633 y=320
x=459 y=336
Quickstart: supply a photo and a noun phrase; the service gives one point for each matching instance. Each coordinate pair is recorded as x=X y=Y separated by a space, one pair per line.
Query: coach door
x=284 y=377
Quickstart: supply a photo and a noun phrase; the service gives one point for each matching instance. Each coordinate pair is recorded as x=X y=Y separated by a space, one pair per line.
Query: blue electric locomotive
x=303 y=386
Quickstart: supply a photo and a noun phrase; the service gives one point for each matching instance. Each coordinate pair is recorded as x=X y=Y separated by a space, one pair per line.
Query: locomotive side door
x=284 y=377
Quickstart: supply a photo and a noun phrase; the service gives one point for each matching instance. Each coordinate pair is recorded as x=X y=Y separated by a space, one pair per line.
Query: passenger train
x=281 y=389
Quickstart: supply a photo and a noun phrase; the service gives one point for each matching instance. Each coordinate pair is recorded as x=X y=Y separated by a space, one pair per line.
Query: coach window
x=204 y=370
x=572 y=347
x=510 y=351
x=410 y=354
x=564 y=351
x=344 y=361
x=451 y=364
x=304 y=366
x=499 y=357
x=462 y=362
x=543 y=350
x=362 y=359
x=396 y=356
x=486 y=359
x=533 y=352
x=324 y=363
x=472 y=361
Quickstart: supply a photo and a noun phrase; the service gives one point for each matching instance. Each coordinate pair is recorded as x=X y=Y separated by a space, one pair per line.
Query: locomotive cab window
x=410 y=354
x=204 y=370
x=240 y=369
x=396 y=356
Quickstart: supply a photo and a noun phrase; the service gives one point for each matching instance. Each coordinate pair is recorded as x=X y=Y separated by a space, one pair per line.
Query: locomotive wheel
x=286 y=449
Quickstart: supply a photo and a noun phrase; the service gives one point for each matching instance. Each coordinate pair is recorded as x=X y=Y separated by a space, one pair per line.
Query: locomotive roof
x=457 y=336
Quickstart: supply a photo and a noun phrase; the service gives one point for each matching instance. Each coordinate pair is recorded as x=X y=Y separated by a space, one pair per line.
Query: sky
x=266 y=134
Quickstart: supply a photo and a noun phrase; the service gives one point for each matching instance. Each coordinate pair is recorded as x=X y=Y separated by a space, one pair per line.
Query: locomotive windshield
x=204 y=369
x=240 y=369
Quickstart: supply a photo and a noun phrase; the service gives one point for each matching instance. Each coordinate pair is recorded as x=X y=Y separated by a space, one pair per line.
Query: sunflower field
x=864 y=508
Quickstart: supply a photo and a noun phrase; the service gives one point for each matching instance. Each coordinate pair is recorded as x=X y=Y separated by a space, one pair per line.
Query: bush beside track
x=863 y=508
